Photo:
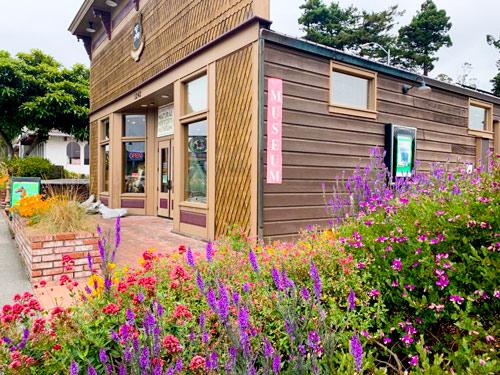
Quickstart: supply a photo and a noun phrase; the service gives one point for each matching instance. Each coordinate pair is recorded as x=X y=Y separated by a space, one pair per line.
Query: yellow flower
x=111 y=266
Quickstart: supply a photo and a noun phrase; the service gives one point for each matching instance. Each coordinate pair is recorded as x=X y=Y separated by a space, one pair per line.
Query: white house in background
x=61 y=149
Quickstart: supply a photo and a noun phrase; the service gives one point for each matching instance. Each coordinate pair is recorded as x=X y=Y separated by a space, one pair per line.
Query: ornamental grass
x=404 y=284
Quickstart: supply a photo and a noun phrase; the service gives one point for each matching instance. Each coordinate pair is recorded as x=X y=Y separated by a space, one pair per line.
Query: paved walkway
x=13 y=278
x=139 y=233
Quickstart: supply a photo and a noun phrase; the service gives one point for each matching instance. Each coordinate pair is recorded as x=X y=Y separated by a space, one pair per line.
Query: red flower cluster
x=197 y=362
x=111 y=309
x=68 y=262
x=24 y=305
x=172 y=344
x=179 y=273
x=20 y=360
x=182 y=249
x=148 y=282
x=182 y=313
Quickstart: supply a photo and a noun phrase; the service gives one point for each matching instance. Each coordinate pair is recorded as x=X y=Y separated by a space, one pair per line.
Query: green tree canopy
x=348 y=28
x=38 y=94
x=426 y=34
x=496 y=80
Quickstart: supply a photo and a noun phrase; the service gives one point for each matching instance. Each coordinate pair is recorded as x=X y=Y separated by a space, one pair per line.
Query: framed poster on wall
x=400 y=150
x=22 y=187
x=165 y=121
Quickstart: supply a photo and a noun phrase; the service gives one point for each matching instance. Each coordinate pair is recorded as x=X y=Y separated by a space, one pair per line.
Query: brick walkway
x=139 y=233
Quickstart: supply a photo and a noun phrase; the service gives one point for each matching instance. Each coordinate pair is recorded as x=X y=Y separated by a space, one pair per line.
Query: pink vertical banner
x=274 y=130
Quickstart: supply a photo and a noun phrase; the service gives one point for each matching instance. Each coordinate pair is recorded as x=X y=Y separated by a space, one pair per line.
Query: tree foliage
x=38 y=94
x=348 y=28
x=496 y=80
x=427 y=33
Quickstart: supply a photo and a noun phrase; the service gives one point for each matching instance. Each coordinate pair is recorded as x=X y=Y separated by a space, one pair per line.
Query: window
x=480 y=116
x=73 y=153
x=195 y=125
x=196 y=95
x=134 y=166
x=196 y=162
x=353 y=91
x=134 y=153
x=86 y=154
x=104 y=155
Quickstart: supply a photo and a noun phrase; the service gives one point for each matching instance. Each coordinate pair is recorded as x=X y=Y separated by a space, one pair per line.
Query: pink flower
x=172 y=344
x=374 y=293
x=407 y=339
x=413 y=360
x=456 y=298
x=490 y=338
x=387 y=340
x=482 y=362
x=197 y=362
x=396 y=264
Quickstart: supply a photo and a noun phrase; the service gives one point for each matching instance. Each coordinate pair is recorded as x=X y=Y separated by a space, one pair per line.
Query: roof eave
x=87 y=4
x=335 y=54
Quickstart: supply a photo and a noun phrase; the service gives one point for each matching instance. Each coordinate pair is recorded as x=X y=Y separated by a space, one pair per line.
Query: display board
x=165 y=121
x=401 y=148
x=22 y=187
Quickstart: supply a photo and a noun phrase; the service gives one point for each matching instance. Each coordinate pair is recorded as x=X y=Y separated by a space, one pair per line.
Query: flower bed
x=406 y=286
x=43 y=255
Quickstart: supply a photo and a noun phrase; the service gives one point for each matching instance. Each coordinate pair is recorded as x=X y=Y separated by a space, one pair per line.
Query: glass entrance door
x=165 y=179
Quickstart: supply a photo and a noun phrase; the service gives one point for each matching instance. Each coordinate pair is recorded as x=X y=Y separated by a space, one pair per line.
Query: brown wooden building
x=179 y=106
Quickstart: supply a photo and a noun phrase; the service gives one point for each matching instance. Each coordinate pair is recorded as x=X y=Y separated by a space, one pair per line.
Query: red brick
x=40 y=266
x=36 y=259
x=36 y=273
x=41 y=238
x=73 y=243
x=53 y=244
x=65 y=236
x=52 y=271
x=85 y=248
x=51 y=258
x=64 y=249
x=82 y=274
x=90 y=241
x=43 y=251
x=36 y=245
x=82 y=235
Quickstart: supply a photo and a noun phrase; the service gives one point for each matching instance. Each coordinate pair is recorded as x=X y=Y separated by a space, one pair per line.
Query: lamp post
x=386 y=50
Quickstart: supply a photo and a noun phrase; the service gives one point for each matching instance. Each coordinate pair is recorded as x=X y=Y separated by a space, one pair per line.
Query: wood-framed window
x=480 y=118
x=353 y=91
x=194 y=121
x=104 y=154
x=134 y=153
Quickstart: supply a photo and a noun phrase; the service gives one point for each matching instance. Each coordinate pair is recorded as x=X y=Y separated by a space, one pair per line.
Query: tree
x=496 y=80
x=419 y=41
x=465 y=78
x=348 y=28
x=37 y=94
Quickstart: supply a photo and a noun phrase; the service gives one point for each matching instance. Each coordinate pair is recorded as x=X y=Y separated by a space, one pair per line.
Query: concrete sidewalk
x=13 y=278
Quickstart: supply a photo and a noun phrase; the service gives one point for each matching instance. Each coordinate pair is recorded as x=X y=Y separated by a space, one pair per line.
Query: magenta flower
x=407 y=339
x=351 y=299
x=413 y=360
x=396 y=264
x=374 y=293
x=456 y=298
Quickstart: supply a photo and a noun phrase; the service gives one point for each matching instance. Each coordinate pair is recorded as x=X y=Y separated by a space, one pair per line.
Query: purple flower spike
x=316 y=280
x=304 y=292
x=223 y=302
x=144 y=359
x=117 y=232
x=276 y=364
x=102 y=356
x=212 y=300
x=277 y=278
x=268 y=349
x=178 y=365
x=209 y=252
x=200 y=283
x=91 y=371
x=190 y=257
x=102 y=250
x=108 y=283
x=89 y=261
x=357 y=352
x=253 y=261
x=73 y=368
x=351 y=299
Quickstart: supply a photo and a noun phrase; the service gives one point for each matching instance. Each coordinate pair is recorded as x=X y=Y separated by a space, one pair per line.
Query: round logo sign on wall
x=138 y=39
x=198 y=144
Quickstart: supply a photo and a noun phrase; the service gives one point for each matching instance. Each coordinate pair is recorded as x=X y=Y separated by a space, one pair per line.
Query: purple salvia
x=127 y=355
x=351 y=300
x=190 y=257
x=276 y=364
x=232 y=359
x=204 y=337
x=243 y=321
x=304 y=292
x=140 y=296
x=170 y=371
x=209 y=252
x=122 y=370
x=129 y=314
x=160 y=310
x=135 y=344
x=178 y=365
x=89 y=261
x=357 y=352
x=236 y=298
x=253 y=261
x=102 y=356
x=246 y=287
x=144 y=358
x=102 y=250
x=285 y=281
x=107 y=283
x=91 y=371
x=212 y=361
x=268 y=349
x=212 y=300
x=117 y=237
x=157 y=370
x=99 y=231
x=156 y=341
x=24 y=340
x=114 y=336
x=200 y=283
x=223 y=303
x=73 y=368
x=313 y=340
x=202 y=320
x=148 y=322
x=88 y=290
x=277 y=278
x=316 y=280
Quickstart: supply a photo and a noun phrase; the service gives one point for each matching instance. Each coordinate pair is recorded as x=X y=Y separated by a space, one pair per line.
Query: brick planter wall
x=42 y=255
x=3 y=194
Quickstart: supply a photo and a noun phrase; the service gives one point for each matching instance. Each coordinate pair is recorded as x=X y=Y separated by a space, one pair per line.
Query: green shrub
x=31 y=166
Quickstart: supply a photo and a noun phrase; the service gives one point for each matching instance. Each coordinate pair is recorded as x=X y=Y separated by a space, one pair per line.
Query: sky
x=26 y=24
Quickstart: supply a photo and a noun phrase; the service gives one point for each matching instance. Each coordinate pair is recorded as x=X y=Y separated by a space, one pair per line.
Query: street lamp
x=386 y=50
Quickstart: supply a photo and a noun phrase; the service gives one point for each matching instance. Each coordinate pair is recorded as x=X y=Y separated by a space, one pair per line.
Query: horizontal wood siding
x=93 y=155
x=321 y=147
x=173 y=29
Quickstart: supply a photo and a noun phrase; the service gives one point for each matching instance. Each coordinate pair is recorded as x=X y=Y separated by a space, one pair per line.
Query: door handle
x=169 y=185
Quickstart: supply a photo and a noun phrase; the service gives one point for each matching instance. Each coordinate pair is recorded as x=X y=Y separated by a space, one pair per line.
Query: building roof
x=351 y=59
